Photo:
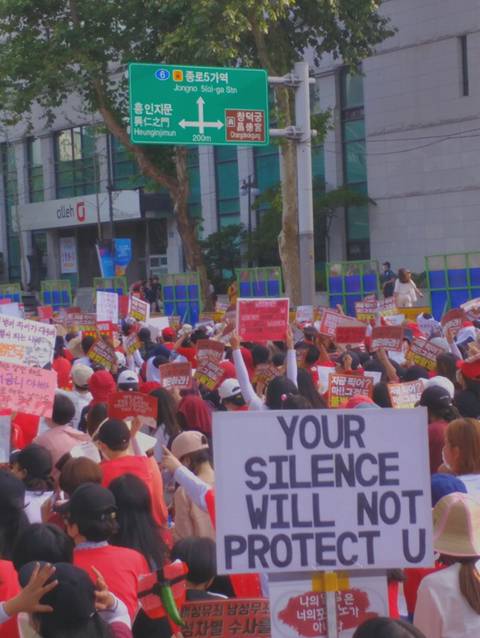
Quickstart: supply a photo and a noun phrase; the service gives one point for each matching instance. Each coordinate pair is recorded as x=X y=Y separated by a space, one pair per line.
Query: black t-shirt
x=468 y=404
x=388 y=275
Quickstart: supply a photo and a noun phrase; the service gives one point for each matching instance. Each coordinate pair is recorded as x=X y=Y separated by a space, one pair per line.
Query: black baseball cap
x=35 y=459
x=12 y=491
x=72 y=600
x=435 y=398
x=114 y=433
x=89 y=502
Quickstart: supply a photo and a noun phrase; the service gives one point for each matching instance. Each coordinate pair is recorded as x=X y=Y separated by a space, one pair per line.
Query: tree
x=275 y=35
x=53 y=49
x=222 y=252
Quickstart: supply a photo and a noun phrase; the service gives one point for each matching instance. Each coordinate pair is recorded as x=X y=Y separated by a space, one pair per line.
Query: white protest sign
x=304 y=314
x=25 y=342
x=11 y=310
x=156 y=325
x=291 y=470
x=107 y=306
x=373 y=374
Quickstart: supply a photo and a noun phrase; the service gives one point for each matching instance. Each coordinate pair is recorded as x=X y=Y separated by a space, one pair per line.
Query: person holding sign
x=448 y=602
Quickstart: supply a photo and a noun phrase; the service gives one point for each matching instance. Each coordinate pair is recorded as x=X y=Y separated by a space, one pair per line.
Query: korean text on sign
x=262 y=319
x=29 y=390
x=342 y=387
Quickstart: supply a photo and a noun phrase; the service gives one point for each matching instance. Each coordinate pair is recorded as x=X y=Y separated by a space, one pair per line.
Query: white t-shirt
x=407 y=293
x=441 y=610
x=80 y=400
x=33 y=505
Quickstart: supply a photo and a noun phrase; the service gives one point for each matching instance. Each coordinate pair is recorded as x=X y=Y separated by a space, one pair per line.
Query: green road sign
x=198 y=105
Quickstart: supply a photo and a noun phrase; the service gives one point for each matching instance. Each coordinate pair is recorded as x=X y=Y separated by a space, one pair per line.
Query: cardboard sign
x=45 y=312
x=107 y=306
x=304 y=314
x=388 y=338
x=105 y=329
x=29 y=390
x=387 y=307
x=131 y=343
x=329 y=323
x=291 y=470
x=350 y=334
x=405 y=395
x=175 y=321
x=366 y=310
x=12 y=310
x=209 y=373
x=227 y=618
x=123 y=405
x=342 y=387
x=27 y=342
x=265 y=372
x=209 y=349
x=262 y=320
x=138 y=309
x=453 y=321
x=102 y=354
x=296 y=610
x=176 y=375
x=424 y=353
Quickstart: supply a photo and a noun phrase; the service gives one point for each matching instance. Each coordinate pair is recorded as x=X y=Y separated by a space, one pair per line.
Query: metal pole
x=249 y=203
x=304 y=184
x=110 y=212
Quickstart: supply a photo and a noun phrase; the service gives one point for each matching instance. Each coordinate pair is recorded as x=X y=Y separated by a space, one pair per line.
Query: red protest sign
x=350 y=334
x=102 y=354
x=366 y=309
x=227 y=618
x=262 y=319
x=105 y=329
x=329 y=323
x=209 y=373
x=73 y=310
x=176 y=375
x=138 y=309
x=45 y=312
x=405 y=395
x=123 y=405
x=123 y=304
x=131 y=343
x=29 y=390
x=342 y=387
x=453 y=321
x=387 y=337
x=209 y=349
x=424 y=353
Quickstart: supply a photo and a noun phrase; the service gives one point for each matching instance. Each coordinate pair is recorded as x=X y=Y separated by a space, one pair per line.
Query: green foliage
x=222 y=254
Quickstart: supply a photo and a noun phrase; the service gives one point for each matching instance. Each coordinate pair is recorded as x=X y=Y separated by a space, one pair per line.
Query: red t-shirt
x=120 y=567
x=146 y=469
x=436 y=441
x=190 y=354
x=9 y=588
x=62 y=367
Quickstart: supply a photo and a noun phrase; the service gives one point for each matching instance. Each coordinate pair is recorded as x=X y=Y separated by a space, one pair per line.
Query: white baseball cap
x=127 y=377
x=229 y=388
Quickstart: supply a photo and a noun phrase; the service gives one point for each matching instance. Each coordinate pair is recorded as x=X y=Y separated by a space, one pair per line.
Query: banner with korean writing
x=102 y=354
x=452 y=321
x=131 y=343
x=304 y=314
x=29 y=390
x=387 y=337
x=176 y=375
x=209 y=349
x=366 y=310
x=262 y=320
x=387 y=307
x=424 y=353
x=30 y=343
x=227 y=618
x=107 y=306
x=322 y=490
x=209 y=373
x=122 y=405
x=342 y=387
x=405 y=395
x=106 y=329
x=350 y=334
x=139 y=309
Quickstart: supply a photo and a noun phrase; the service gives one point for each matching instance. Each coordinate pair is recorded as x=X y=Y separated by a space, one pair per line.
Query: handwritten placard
x=29 y=390
x=107 y=306
x=30 y=343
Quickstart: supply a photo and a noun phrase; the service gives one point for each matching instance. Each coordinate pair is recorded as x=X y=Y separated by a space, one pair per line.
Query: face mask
x=444 y=460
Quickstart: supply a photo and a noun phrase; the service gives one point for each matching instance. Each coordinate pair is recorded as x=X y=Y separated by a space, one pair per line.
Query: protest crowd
x=108 y=485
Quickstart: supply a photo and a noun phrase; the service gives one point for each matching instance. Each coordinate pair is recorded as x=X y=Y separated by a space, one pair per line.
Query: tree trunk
x=288 y=245
x=186 y=226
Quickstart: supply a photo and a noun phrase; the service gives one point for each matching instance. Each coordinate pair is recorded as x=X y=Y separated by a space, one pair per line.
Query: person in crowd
x=42 y=542
x=199 y=554
x=461 y=452
x=307 y=389
x=447 y=367
x=61 y=437
x=381 y=395
x=467 y=399
x=113 y=440
x=169 y=336
x=85 y=344
x=441 y=412
x=91 y=521
x=61 y=364
x=76 y=472
x=94 y=416
x=75 y=606
x=167 y=423
x=194 y=414
x=232 y=293
x=405 y=291
x=231 y=397
x=152 y=293
x=136 y=526
x=448 y=601
x=13 y=519
x=387 y=628
x=80 y=395
x=192 y=450
x=128 y=381
x=101 y=384
x=33 y=466
x=387 y=279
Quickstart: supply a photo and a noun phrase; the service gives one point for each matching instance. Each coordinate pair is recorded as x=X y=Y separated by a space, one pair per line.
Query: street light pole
x=247 y=186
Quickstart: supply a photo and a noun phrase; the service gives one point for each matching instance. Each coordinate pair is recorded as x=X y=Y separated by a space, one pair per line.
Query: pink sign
x=29 y=390
x=262 y=319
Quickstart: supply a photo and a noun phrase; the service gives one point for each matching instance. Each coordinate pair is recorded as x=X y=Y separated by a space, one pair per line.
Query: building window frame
x=78 y=162
x=36 y=191
x=228 y=206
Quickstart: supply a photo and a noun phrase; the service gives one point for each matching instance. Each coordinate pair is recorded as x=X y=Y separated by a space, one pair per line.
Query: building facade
x=404 y=131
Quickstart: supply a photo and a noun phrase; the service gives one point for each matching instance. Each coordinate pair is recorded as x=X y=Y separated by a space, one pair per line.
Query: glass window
x=76 y=162
x=194 y=193
x=267 y=167
x=35 y=170
x=227 y=183
x=352 y=90
x=125 y=171
x=10 y=185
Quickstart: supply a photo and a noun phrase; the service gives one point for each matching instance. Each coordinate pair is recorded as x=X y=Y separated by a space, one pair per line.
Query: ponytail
x=470 y=583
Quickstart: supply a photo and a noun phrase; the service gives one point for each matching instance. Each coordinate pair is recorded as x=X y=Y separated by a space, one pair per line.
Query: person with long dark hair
x=33 y=466
x=13 y=519
x=307 y=388
x=167 y=423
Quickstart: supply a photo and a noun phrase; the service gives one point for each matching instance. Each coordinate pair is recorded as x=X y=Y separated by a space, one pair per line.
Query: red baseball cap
x=470 y=369
x=168 y=333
